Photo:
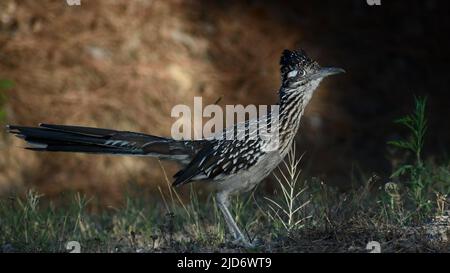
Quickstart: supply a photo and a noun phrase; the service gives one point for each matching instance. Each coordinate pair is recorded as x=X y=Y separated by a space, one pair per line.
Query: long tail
x=62 y=138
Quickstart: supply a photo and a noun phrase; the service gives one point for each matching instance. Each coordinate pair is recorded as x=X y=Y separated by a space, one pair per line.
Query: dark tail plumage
x=62 y=138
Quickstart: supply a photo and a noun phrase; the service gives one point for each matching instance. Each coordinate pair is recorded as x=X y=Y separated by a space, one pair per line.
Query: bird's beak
x=328 y=71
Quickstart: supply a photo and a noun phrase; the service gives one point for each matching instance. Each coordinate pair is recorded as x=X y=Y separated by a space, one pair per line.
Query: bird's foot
x=243 y=242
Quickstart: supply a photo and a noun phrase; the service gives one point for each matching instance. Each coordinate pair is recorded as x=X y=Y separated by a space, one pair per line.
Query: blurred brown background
x=125 y=64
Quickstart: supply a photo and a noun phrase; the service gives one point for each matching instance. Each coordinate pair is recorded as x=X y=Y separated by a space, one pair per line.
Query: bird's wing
x=220 y=158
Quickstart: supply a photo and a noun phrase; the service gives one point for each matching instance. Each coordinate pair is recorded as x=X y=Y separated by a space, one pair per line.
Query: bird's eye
x=296 y=73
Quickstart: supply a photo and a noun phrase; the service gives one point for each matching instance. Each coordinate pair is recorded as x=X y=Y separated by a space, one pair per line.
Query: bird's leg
x=223 y=203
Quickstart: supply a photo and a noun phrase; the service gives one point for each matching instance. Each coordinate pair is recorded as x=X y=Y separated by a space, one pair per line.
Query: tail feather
x=64 y=138
x=89 y=131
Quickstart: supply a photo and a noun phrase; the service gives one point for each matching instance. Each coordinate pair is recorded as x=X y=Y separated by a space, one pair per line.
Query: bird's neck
x=292 y=104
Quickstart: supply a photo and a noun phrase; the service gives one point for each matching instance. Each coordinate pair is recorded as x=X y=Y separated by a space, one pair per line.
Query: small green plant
x=417 y=125
x=288 y=212
x=418 y=185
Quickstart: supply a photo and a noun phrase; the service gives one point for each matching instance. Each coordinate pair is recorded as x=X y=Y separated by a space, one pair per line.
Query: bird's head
x=299 y=72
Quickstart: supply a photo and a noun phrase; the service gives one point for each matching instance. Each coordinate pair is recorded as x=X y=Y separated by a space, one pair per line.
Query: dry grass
x=36 y=224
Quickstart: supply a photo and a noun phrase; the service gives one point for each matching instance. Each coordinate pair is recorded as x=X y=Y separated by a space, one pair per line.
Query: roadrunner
x=231 y=166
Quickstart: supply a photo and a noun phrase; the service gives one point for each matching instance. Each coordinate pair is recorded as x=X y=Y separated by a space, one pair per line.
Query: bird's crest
x=295 y=60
